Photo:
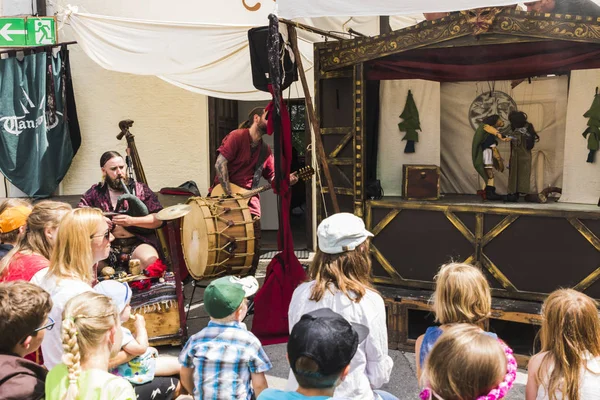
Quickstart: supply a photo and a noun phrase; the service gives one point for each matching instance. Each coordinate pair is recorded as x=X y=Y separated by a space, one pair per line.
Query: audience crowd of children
x=337 y=347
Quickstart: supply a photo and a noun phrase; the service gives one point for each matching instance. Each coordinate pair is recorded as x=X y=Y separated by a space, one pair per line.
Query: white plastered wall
x=391 y=155
x=171 y=125
x=581 y=179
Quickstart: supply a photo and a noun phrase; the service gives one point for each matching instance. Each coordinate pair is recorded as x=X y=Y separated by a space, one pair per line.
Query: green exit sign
x=28 y=31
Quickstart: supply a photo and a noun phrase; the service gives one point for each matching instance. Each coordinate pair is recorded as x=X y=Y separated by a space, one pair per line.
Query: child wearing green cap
x=225 y=360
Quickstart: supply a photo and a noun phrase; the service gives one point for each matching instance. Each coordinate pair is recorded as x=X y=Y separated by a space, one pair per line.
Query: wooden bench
x=400 y=302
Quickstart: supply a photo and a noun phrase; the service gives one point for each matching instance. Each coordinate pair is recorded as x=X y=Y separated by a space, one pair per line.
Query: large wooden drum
x=217 y=237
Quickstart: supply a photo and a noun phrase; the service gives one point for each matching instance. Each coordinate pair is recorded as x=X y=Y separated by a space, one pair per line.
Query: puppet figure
x=523 y=139
x=485 y=153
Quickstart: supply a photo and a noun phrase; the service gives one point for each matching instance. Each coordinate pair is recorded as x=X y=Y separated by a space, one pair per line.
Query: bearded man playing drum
x=132 y=206
x=243 y=158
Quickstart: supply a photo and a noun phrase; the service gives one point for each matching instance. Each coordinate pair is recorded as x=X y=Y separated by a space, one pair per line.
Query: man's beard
x=262 y=128
x=115 y=184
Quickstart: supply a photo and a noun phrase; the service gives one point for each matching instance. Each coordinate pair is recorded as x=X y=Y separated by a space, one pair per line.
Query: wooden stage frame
x=583 y=219
x=343 y=96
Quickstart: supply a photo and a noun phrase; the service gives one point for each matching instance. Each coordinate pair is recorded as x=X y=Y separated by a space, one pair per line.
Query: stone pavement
x=403 y=382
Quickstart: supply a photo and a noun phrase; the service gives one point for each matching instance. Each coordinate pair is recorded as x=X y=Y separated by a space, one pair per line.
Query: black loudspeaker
x=257 y=38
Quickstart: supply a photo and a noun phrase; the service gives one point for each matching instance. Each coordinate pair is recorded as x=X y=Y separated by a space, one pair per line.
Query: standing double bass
x=133 y=162
x=160 y=329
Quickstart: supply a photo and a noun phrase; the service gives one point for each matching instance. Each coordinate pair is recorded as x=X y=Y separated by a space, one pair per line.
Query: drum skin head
x=194 y=239
x=217 y=237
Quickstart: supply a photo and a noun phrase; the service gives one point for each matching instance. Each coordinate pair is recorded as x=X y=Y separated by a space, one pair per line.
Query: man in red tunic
x=236 y=163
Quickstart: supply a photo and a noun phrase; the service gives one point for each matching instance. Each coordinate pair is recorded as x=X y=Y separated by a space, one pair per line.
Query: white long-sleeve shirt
x=371 y=366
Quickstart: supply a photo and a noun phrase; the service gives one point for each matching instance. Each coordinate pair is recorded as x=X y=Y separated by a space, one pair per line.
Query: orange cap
x=13 y=218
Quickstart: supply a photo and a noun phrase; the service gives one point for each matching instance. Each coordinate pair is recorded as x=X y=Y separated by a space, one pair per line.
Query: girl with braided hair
x=91 y=335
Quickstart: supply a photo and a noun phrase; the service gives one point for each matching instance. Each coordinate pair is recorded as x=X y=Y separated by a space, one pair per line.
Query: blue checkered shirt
x=223 y=356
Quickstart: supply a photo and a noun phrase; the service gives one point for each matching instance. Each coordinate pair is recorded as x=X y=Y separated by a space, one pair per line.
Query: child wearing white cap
x=341 y=281
x=137 y=362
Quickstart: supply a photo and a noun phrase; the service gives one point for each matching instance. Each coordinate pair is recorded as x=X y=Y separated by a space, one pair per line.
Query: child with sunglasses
x=24 y=309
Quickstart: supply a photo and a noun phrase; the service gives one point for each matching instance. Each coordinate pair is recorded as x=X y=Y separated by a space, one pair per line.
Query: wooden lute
x=303 y=173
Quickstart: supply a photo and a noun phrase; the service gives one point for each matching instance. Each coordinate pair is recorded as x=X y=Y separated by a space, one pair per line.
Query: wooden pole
x=40 y=8
x=321 y=157
x=312 y=29
x=384 y=24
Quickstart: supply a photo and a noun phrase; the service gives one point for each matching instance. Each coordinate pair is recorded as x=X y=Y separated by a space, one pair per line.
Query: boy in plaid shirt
x=224 y=360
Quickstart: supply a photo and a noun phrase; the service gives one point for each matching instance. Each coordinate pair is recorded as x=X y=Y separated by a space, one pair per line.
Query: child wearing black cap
x=341 y=280
x=320 y=349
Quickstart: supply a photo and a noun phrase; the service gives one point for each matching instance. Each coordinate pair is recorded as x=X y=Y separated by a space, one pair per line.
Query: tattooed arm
x=223 y=174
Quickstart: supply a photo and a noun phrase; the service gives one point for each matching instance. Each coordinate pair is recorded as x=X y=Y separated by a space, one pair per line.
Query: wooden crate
x=400 y=301
x=420 y=182
x=162 y=325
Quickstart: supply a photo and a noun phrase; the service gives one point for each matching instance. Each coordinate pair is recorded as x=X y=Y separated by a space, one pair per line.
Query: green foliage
x=410 y=123
x=592 y=133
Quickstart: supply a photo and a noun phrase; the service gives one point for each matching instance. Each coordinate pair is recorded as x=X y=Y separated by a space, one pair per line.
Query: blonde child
x=462 y=295
x=137 y=361
x=225 y=360
x=568 y=367
x=83 y=239
x=468 y=364
x=91 y=335
x=33 y=251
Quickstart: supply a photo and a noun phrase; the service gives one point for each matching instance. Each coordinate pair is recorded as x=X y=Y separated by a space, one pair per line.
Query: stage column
x=359 y=136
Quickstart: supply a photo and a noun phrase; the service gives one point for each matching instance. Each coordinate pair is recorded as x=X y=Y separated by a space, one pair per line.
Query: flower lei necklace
x=499 y=391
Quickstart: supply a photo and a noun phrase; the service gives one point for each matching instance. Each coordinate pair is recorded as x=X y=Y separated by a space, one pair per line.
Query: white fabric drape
x=210 y=59
x=545 y=102
x=581 y=179
x=320 y=8
x=207 y=58
x=391 y=154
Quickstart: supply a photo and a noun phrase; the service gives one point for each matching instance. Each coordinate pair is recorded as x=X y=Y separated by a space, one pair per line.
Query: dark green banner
x=39 y=133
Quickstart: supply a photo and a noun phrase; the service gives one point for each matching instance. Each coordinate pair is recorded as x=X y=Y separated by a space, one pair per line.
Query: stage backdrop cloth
x=391 y=155
x=545 y=102
x=581 y=179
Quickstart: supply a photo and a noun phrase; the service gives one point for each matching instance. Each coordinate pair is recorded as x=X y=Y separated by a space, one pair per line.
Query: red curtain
x=487 y=62
x=284 y=272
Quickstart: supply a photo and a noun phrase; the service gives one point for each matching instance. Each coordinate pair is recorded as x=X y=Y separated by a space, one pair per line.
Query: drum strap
x=262 y=155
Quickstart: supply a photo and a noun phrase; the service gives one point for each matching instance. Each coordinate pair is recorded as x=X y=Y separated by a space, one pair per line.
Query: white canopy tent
x=334 y=8
x=204 y=49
